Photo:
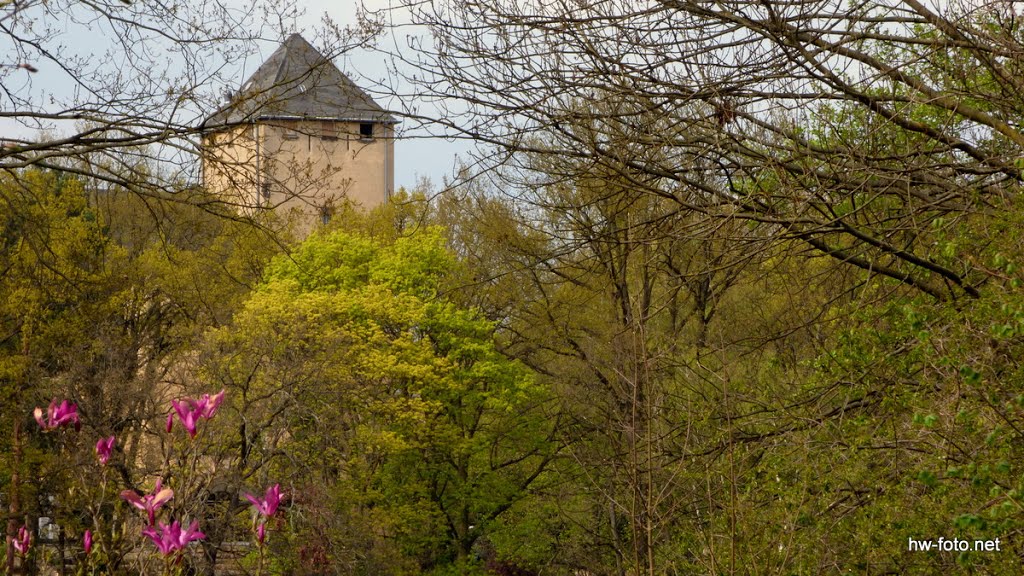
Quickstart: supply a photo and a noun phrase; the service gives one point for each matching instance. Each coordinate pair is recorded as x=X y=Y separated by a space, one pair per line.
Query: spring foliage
x=395 y=399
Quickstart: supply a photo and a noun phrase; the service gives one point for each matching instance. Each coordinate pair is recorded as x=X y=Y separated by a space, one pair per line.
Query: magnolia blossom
x=190 y=411
x=58 y=415
x=104 y=448
x=150 y=502
x=188 y=417
x=208 y=405
x=23 y=541
x=87 y=541
x=170 y=539
x=261 y=533
x=267 y=505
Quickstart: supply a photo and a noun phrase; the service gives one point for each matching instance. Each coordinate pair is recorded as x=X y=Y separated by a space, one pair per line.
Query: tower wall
x=305 y=166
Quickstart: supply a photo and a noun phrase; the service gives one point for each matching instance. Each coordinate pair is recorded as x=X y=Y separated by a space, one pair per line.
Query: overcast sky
x=417 y=156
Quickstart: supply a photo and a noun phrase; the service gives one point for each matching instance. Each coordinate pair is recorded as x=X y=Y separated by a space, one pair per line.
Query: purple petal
x=273 y=499
x=134 y=499
x=193 y=532
x=213 y=404
x=161 y=497
x=182 y=407
x=104 y=449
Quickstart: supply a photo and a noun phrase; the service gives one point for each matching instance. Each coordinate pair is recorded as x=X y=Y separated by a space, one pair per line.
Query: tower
x=299 y=136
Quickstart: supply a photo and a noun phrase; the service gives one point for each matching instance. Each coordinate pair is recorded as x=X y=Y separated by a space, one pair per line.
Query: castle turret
x=300 y=135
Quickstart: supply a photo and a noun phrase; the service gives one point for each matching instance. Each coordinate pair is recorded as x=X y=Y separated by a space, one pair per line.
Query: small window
x=366 y=131
x=290 y=134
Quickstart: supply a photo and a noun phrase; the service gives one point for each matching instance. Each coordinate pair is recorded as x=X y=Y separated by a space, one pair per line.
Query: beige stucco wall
x=300 y=165
x=229 y=162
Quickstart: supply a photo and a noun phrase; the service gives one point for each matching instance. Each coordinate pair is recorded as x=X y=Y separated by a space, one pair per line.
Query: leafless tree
x=869 y=133
x=122 y=92
x=848 y=126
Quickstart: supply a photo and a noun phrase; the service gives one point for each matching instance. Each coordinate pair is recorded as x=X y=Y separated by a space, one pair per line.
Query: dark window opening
x=366 y=131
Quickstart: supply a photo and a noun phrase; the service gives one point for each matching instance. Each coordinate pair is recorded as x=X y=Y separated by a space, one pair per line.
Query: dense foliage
x=759 y=318
x=404 y=429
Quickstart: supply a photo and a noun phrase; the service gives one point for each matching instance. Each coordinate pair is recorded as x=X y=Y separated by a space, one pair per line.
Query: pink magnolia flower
x=190 y=411
x=58 y=415
x=104 y=448
x=261 y=533
x=209 y=404
x=150 y=502
x=267 y=505
x=186 y=415
x=170 y=539
x=87 y=541
x=23 y=542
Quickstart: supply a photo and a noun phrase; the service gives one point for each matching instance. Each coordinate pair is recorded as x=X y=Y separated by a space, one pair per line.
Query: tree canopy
x=738 y=290
x=389 y=400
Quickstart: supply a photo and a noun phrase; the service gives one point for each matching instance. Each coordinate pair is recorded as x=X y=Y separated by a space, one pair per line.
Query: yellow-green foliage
x=393 y=397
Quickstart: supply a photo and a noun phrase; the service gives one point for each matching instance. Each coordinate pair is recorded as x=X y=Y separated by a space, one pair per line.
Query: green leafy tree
x=103 y=296
x=408 y=433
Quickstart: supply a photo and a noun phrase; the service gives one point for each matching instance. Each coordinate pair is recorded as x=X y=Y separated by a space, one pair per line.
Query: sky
x=418 y=155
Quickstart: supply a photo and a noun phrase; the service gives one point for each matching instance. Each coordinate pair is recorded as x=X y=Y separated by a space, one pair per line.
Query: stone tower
x=300 y=136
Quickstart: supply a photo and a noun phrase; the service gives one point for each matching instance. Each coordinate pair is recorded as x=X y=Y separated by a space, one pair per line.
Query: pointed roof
x=298 y=82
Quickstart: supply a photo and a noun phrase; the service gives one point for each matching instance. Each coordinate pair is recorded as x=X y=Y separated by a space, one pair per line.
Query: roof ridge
x=282 y=91
x=280 y=67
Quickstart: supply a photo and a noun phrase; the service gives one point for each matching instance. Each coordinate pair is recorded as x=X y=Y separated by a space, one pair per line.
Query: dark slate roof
x=299 y=82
